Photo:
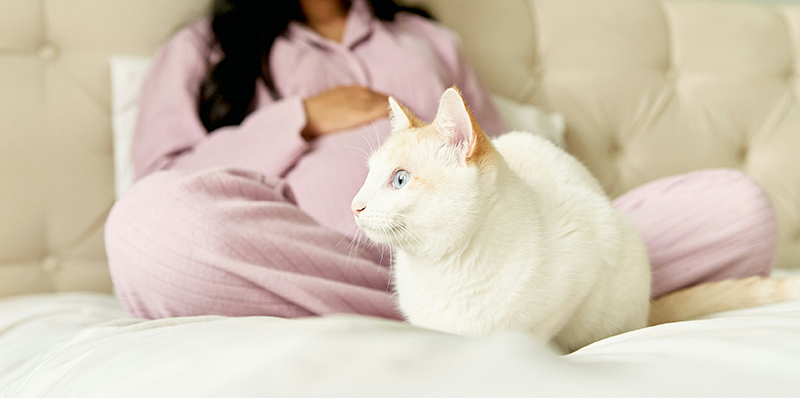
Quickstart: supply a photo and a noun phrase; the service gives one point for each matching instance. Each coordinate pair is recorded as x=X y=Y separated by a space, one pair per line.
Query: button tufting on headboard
x=47 y=52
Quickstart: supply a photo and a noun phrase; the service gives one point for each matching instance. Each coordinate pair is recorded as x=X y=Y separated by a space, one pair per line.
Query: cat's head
x=427 y=184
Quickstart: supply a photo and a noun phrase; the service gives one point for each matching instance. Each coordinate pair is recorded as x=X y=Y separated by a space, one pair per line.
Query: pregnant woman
x=252 y=140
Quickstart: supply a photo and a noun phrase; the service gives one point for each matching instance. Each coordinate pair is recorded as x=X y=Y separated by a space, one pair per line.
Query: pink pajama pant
x=232 y=242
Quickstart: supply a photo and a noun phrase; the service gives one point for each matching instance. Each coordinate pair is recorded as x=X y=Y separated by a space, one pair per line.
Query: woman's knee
x=156 y=232
x=749 y=232
x=703 y=226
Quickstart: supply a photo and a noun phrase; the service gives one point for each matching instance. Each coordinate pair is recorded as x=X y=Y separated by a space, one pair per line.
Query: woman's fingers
x=342 y=108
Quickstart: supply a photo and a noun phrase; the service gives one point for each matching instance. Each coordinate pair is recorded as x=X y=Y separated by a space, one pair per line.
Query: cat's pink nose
x=357 y=207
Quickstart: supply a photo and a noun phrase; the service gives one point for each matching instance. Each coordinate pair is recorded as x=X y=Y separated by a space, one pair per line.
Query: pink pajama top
x=413 y=59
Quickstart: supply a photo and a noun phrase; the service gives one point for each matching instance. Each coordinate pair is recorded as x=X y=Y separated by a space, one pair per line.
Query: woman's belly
x=326 y=179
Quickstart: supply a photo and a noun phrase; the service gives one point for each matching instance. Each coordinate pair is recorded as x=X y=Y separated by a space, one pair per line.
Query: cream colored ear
x=454 y=121
x=398 y=116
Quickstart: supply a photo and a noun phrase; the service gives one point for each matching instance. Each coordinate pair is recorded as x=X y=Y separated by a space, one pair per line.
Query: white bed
x=83 y=346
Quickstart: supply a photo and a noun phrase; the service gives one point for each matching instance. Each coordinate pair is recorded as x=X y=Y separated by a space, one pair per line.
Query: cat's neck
x=510 y=209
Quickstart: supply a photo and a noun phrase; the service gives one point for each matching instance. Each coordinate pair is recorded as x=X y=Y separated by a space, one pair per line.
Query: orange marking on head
x=483 y=152
x=413 y=120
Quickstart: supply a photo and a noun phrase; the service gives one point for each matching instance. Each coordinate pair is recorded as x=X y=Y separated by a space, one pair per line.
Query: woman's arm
x=170 y=135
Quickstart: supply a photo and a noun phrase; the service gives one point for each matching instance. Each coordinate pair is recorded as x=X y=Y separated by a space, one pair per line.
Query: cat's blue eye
x=400 y=179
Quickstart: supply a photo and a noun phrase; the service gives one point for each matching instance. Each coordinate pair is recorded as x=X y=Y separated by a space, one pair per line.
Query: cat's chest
x=452 y=298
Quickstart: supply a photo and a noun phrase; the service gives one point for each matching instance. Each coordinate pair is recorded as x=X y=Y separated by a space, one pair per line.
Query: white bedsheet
x=80 y=345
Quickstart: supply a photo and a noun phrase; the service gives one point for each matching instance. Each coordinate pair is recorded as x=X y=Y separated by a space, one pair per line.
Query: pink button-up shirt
x=412 y=59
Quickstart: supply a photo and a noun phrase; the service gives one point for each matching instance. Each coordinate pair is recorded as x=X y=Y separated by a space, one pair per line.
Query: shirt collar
x=358 y=26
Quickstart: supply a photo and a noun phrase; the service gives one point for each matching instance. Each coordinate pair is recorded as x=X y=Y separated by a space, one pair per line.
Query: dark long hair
x=244 y=31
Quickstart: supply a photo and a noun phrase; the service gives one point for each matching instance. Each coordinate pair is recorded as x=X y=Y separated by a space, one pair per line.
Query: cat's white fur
x=509 y=234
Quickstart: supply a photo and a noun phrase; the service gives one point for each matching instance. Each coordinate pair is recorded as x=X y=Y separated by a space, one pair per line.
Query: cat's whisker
x=413 y=235
x=391 y=260
x=344 y=235
x=350 y=256
x=382 y=250
x=391 y=269
x=366 y=155
x=359 y=245
x=372 y=124
x=384 y=233
x=369 y=145
x=355 y=244
x=404 y=236
x=377 y=137
x=418 y=239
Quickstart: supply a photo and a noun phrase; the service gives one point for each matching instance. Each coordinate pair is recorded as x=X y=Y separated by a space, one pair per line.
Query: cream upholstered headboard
x=648 y=89
x=56 y=176
x=654 y=88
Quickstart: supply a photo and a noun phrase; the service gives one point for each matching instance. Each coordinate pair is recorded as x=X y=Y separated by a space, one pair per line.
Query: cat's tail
x=713 y=297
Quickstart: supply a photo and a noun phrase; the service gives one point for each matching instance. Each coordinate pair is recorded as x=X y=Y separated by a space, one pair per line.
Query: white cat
x=509 y=234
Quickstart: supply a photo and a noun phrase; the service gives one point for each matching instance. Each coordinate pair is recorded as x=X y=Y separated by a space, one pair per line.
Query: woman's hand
x=342 y=108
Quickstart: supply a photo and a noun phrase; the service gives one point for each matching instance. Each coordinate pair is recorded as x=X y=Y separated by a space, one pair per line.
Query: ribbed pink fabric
x=232 y=242
x=703 y=226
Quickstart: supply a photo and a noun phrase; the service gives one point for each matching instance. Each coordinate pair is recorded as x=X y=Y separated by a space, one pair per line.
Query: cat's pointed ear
x=401 y=117
x=456 y=123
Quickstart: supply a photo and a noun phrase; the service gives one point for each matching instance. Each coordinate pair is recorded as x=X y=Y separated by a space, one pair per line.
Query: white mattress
x=80 y=345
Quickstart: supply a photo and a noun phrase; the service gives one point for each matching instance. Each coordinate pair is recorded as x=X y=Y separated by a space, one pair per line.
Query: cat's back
x=540 y=162
x=588 y=237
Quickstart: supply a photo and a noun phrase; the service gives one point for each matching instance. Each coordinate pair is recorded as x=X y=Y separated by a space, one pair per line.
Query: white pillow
x=127 y=77
x=129 y=73
x=523 y=117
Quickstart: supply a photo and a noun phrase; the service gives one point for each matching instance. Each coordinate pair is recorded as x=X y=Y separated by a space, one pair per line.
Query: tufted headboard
x=648 y=89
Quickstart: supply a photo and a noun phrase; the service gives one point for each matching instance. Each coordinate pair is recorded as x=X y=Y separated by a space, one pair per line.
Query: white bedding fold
x=83 y=346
